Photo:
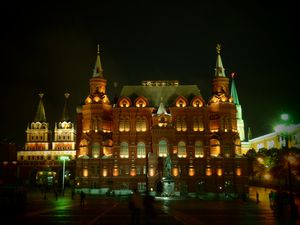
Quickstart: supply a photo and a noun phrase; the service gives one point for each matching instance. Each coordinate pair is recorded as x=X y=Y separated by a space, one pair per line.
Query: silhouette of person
x=82 y=197
x=135 y=206
x=149 y=208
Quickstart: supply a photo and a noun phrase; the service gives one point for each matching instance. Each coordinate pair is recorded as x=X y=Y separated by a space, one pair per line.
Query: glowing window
x=199 y=149
x=141 y=124
x=181 y=124
x=124 y=125
x=141 y=150
x=237 y=146
x=140 y=103
x=198 y=124
x=181 y=149
x=124 y=103
x=95 y=150
x=181 y=102
x=85 y=172
x=83 y=149
x=215 y=149
x=208 y=171
x=162 y=148
x=124 y=151
x=238 y=171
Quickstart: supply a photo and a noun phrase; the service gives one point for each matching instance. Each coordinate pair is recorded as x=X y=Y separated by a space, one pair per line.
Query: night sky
x=51 y=48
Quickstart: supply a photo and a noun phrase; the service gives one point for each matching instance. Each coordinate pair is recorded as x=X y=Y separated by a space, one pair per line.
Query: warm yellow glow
x=175 y=171
x=208 y=171
x=115 y=172
x=191 y=171
x=133 y=171
x=219 y=171
x=104 y=172
x=151 y=172
x=85 y=172
x=238 y=171
x=140 y=103
x=124 y=103
x=97 y=99
x=88 y=100
x=267 y=176
x=197 y=103
x=180 y=103
x=95 y=156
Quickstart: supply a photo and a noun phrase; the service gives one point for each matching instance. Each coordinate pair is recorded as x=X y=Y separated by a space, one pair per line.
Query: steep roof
x=154 y=94
x=40 y=113
x=66 y=113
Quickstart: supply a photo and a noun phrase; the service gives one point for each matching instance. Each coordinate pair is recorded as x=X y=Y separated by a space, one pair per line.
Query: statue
x=167 y=167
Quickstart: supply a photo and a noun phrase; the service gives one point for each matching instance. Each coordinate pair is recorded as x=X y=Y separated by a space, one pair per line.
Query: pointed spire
x=161 y=108
x=40 y=114
x=249 y=134
x=66 y=114
x=98 y=71
x=234 y=91
x=219 y=70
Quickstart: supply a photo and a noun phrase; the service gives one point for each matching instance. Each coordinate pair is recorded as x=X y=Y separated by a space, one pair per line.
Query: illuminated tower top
x=219 y=70
x=98 y=71
x=239 y=117
x=40 y=114
x=65 y=113
x=234 y=91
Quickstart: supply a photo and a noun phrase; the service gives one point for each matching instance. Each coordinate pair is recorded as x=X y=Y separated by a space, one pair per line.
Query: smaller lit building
x=39 y=162
x=278 y=139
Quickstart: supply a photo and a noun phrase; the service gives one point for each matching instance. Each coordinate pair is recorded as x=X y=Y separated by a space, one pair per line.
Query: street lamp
x=63 y=158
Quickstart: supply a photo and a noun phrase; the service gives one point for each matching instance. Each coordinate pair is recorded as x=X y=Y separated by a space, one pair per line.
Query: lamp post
x=63 y=158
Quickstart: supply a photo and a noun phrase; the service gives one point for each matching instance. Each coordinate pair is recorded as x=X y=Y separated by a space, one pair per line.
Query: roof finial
x=98 y=49
x=218 y=48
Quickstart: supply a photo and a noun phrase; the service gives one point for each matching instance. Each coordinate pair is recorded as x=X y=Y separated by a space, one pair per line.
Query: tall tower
x=239 y=118
x=222 y=114
x=38 y=133
x=64 y=131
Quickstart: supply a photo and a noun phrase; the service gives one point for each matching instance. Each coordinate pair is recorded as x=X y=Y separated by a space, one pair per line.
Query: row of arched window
x=143 y=102
x=215 y=149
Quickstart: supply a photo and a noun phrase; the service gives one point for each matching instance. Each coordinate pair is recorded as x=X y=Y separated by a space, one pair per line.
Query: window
x=181 y=149
x=124 y=152
x=198 y=124
x=141 y=124
x=214 y=147
x=95 y=150
x=237 y=146
x=162 y=148
x=141 y=150
x=181 y=124
x=83 y=149
x=124 y=125
x=199 y=150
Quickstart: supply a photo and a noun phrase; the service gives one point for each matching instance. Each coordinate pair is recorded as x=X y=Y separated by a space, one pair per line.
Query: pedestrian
x=82 y=197
x=257 y=197
x=149 y=208
x=135 y=207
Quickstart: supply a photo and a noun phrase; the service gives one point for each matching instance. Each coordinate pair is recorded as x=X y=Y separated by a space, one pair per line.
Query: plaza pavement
x=169 y=211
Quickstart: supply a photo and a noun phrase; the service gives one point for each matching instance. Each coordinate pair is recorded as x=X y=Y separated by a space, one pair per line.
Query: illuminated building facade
x=39 y=161
x=277 y=139
x=160 y=132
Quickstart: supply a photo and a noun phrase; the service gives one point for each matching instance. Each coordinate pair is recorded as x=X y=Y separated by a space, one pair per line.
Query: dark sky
x=51 y=48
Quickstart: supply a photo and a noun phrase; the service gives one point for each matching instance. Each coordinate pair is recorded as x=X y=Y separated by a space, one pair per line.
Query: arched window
x=199 y=150
x=124 y=152
x=237 y=147
x=83 y=148
x=181 y=149
x=141 y=124
x=198 y=124
x=162 y=148
x=95 y=150
x=215 y=149
x=141 y=150
x=124 y=125
x=181 y=124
